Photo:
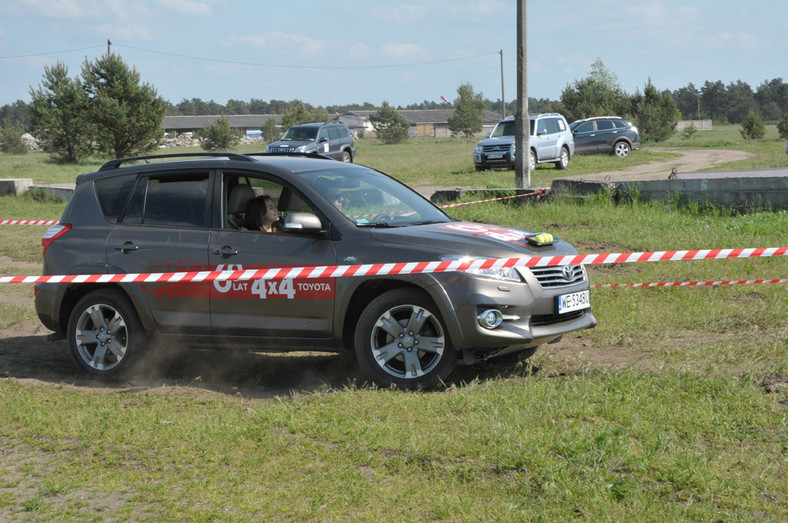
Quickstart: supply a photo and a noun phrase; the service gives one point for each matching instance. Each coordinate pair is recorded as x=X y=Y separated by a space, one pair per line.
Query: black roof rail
x=114 y=164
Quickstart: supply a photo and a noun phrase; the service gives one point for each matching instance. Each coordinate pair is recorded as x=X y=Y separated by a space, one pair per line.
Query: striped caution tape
x=28 y=222
x=687 y=283
x=381 y=269
x=538 y=193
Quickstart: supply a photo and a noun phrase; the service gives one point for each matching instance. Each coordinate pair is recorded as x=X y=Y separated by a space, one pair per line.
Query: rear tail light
x=53 y=233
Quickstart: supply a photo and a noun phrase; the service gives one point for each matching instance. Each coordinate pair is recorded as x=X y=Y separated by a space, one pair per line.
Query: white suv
x=551 y=141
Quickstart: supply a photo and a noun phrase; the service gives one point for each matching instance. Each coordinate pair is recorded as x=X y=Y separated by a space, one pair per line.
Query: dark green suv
x=351 y=225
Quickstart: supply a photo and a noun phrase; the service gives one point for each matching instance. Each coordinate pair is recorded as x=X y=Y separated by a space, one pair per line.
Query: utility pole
x=503 y=98
x=522 y=170
x=108 y=45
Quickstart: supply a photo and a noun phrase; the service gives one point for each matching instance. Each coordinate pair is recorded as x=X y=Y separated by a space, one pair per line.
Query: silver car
x=551 y=141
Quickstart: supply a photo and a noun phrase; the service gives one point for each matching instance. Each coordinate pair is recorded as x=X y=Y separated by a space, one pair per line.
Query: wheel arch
x=76 y=292
x=368 y=290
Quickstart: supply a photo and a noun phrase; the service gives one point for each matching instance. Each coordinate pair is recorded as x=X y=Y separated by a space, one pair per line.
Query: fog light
x=490 y=319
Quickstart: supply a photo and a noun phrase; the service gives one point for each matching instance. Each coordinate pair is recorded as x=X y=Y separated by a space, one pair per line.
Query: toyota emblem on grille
x=568 y=272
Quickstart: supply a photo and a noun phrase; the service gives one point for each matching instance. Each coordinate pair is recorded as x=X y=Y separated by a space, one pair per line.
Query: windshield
x=301 y=134
x=505 y=128
x=372 y=199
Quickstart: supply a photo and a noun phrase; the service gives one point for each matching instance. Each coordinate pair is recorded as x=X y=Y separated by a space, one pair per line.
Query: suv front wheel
x=621 y=149
x=401 y=340
x=104 y=333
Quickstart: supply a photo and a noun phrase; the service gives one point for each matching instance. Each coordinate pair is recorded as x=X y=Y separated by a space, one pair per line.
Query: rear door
x=270 y=308
x=166 y=228
x=605 y=135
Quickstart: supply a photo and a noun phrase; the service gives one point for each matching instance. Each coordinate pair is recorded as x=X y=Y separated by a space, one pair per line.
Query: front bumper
x=531 y=312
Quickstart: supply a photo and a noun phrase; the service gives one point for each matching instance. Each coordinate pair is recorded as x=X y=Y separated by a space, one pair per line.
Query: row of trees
x=108 y=111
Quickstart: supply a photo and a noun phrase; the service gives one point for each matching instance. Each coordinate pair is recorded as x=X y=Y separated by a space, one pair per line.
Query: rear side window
x=112 y=194
x=620 y=124
x=604 y=125
x=170 y=200
x=333 y=133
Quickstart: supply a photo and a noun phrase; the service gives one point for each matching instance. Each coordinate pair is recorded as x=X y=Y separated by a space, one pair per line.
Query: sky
x=403 y=52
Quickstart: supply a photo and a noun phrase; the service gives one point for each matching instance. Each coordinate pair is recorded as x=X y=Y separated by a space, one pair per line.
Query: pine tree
x=58 y=116
x=390 y=126
x=468 y=117
x=127 y=114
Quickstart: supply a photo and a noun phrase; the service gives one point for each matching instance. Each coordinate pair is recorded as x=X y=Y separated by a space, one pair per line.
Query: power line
x=50 y=52
x=292 y=66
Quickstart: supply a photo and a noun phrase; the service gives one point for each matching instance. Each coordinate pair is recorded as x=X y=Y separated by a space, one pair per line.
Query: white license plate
x=494 y=156
x=574 y=301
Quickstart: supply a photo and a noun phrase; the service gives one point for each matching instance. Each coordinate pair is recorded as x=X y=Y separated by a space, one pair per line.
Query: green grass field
x=673 y=409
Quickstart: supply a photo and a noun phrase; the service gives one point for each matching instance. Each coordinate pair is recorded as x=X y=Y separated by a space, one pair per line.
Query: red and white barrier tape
x=388 y=269
x=538 y=193
x=28 y=222
x=687 y=283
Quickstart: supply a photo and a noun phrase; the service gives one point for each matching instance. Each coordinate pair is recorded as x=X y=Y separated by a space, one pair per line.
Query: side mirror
x=302 y=222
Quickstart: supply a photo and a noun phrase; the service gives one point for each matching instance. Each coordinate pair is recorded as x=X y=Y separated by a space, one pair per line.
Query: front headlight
x=477 y=149
x=301 y=149
x=503 y=273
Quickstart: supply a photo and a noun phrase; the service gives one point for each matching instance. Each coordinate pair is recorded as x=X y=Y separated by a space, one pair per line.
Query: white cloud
x=188 y=7
x=277 y=42
x=61 y=8
x=403 y=52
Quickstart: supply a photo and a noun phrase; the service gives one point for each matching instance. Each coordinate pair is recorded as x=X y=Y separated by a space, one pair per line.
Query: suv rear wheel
x=401 y=340
x=346 y=157
x=104 y=333
x=563 y=159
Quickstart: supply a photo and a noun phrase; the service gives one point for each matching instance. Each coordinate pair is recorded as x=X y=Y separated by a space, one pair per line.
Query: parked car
x=186 y=214
x=605 y=135
x=332 y=139
x=550 y=141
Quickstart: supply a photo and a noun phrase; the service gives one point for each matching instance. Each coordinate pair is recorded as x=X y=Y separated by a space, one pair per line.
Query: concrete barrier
x=61 y=192
x=757 y=189
x=15 y=186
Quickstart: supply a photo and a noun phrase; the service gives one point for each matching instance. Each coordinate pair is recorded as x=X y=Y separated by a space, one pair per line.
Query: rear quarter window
x=112 y=193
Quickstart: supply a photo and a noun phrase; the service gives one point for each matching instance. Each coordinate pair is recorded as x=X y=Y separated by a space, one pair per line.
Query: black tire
x=401 y=340
x=621 y=149
x=346 y=157
x=563 y=161
x=532 y=160
x=105 y=333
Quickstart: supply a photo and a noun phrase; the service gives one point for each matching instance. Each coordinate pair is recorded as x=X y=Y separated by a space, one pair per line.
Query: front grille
x=557 y=276
x=550 y=319
x=500 y=148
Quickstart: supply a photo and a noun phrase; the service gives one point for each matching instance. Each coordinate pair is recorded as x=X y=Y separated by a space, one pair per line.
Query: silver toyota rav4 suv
x=551 y=142
x=345 y=222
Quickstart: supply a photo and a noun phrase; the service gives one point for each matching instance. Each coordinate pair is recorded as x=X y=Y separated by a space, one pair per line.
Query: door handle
x=225 y=251
x=127 y=247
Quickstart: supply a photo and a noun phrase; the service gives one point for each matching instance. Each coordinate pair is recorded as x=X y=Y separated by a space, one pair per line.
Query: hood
x=290 y=143
x=470 y=239
x=502 y=140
